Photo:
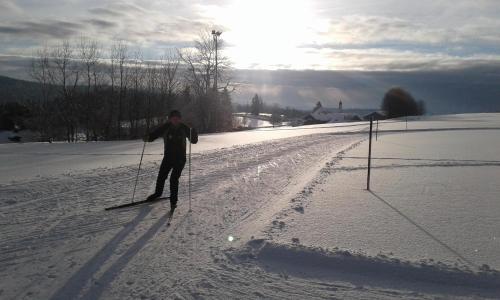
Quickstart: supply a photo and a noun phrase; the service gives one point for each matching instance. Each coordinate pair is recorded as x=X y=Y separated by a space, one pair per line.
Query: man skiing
x=174 y=134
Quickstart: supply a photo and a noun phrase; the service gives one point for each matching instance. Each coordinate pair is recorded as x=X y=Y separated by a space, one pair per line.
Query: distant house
x=321 y=115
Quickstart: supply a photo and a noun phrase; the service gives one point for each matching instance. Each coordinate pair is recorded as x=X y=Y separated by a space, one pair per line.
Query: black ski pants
x=167 y=165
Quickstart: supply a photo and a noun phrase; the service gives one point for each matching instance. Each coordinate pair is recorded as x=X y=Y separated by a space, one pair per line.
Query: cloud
x=102 y=24
x=55 y=29
x=359 y=30
x=106 y=12
x=9 y=6
x=360 y=35
x=142 y=26
x=377 y=59
x=469 y=89
x=128 y=8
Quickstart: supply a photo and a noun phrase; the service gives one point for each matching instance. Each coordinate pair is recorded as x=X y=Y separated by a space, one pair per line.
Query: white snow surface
x=31 y=160
x=249 y=121
x=277 y=214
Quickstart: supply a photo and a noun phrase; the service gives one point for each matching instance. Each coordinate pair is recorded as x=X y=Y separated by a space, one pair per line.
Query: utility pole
x=216 y=35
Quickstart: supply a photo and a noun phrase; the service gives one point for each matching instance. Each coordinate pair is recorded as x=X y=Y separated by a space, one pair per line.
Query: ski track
x=59 y=243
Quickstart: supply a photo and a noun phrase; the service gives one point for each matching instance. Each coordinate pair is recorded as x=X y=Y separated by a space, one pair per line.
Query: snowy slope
x=292 y=200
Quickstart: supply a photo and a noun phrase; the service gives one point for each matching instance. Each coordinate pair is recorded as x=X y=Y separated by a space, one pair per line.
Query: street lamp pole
x=216 y=35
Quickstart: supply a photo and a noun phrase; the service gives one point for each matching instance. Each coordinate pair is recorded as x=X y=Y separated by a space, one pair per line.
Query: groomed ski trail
x=131 y=254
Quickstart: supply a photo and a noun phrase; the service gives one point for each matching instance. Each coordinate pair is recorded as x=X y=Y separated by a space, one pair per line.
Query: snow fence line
x=312 y=262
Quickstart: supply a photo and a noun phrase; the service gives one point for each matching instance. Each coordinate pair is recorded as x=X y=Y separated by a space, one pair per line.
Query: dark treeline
x=90 y=93
x=398 y=102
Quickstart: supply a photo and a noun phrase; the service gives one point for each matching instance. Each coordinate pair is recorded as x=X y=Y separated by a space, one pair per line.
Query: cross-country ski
x=136 y=203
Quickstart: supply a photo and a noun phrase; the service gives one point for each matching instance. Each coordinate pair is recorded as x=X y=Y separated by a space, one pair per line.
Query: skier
x=174 y=134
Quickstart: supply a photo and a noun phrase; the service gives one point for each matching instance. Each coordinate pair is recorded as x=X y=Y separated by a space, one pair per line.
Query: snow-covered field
x=278 y=214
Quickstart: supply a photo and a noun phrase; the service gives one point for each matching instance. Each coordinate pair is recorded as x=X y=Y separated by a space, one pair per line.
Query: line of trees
x=91 y=93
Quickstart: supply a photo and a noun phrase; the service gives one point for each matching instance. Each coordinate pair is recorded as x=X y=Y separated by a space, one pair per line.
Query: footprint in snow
x=279 y=224
x=299 y=209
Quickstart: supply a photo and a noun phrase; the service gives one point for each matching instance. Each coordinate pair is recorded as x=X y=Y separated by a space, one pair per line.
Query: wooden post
x=376 y=132
x=369 y=155
x=189 y=170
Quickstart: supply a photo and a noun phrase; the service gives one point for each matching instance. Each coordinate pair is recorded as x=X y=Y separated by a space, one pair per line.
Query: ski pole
x=138 y=170
x=189 y=169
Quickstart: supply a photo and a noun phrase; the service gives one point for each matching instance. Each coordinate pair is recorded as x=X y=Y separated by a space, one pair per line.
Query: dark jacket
x=174 y=138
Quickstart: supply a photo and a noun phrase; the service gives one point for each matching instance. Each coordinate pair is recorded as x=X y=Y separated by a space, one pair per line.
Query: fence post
x=369 y=155
x=189 y=170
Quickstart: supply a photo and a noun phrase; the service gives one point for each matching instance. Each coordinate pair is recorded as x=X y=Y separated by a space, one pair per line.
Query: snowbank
x=309 y=262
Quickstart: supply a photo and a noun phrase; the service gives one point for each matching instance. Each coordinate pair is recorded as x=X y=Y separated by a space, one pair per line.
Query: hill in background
x=468 y=90
x=14 y=90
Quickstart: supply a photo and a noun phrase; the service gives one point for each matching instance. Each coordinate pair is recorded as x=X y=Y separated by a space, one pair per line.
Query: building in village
x=321 y=114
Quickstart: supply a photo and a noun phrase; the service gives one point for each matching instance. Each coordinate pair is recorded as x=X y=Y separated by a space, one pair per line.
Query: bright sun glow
x=263 y=33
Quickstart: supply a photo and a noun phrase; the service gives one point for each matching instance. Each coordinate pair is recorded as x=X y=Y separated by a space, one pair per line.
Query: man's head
x=175 y=117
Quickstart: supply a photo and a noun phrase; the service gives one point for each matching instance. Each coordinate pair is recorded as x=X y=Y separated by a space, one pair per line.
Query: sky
x=294 y=35
x=274 y=34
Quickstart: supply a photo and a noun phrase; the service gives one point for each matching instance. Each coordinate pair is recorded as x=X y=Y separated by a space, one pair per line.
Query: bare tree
x=89 y=55
x=169 y=81
x=111 y=70
x=203 y=67
x=65 y=75
x=121 y=53
x=200 y=63
x=135 y=77
x=151 y=83
x=40 y=72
